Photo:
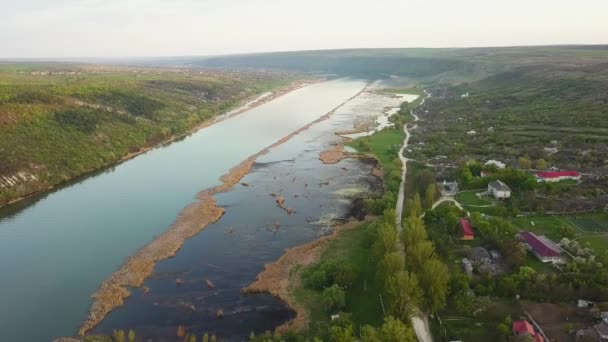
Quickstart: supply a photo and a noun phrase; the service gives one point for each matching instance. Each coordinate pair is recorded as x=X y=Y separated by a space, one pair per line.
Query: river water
x=56 y=251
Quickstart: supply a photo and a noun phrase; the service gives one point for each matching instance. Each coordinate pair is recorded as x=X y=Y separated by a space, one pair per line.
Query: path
x=404 y=160
x=447 y=199
x=419 y=320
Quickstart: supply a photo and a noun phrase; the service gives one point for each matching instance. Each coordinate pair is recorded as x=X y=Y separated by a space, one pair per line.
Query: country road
x=419 y=322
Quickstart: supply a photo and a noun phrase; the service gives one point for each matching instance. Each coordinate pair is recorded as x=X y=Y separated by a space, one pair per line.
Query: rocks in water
x=244 y=184
x=210 y=284
x=179 y=281
x=280 y=200
x=219 y=313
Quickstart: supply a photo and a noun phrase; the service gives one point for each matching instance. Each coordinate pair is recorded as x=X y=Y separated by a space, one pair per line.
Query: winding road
x=419 y=321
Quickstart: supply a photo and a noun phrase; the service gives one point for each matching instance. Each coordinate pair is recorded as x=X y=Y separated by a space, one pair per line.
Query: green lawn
x=352 y=247
x=384 y=145
x=543 y=225
x=592 y=228
x=470 y=198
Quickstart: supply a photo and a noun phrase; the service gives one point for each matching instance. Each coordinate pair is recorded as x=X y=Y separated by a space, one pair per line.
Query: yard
x=591 y=228
x=470 y=198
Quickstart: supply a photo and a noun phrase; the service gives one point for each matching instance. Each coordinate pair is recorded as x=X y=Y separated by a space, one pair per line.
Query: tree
x=541 y=164
x=394 y=330
x=430 y=195
x=413 y=231
x=515 y=253
x=524 y=163
x=418 y=254
x=413 y=207
x=387 y=240
x=119 y=335
x=206 y=337
x=333 y=298
x=434 y=279
x=403 y=294
x=341 y=334
x=390 y=264
x=131 y=336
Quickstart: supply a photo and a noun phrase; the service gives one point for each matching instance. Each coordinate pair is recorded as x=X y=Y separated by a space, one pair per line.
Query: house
x=480 y=255
x=556 y=176
x=543 y=248
x=523 y=328
x=499 y=190
x=602 y=330
x=485 y=173
x=466 y=228
x=496 y=163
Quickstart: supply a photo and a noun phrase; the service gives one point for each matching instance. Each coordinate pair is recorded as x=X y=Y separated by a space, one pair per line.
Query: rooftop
x=465 y=224
x=523 y=327
x=499 y=185
x=557 y=174
x=540 y=244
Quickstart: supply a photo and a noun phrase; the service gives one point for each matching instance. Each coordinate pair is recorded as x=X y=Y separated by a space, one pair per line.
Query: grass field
x=591 y=222
x=591 y=228
x=384 y=145
x=470 y=198
x=352 y=248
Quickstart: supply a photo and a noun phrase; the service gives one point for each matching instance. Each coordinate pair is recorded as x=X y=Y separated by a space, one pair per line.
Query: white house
x=499 y=189
x=496 y=163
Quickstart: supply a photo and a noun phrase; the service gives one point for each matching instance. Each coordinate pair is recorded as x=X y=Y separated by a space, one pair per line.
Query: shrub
x=333 y=298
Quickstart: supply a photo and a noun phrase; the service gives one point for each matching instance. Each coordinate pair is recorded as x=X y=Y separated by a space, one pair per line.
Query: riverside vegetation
x=59 y=121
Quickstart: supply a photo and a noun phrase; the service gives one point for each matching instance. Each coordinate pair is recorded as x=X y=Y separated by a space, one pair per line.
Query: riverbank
x=191 y=221
x=245 y=105
x=280 y=277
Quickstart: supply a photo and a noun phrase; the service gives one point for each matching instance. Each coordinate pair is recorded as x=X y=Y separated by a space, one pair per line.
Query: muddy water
x=55 y=252
x=254 y=231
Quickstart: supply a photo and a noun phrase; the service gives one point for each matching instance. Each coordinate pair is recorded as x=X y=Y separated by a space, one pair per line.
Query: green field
x=591 y=228
x=591 y=222
x=353 y=248
x=467 y=198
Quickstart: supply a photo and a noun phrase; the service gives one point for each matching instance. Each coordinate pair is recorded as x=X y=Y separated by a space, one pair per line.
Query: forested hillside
x=419 y=64
x=58 y=121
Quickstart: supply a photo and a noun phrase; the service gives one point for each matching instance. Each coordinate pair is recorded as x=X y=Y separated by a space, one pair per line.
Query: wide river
x=56 y=251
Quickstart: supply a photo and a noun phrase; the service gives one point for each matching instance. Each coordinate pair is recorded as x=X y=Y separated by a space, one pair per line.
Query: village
x=528 y=233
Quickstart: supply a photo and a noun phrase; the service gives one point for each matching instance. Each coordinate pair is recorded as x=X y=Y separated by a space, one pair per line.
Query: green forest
x=58 y=121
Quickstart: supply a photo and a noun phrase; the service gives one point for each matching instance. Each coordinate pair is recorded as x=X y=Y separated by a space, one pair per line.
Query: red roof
x=538 y=338
x=465 y=224
x=522 y=327
x=557 y=174
x=539 y=246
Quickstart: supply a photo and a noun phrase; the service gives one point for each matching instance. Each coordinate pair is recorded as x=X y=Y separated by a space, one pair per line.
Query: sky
x=129 y=28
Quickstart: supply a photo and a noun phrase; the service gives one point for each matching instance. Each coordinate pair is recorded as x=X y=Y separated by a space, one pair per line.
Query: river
x=56 y=251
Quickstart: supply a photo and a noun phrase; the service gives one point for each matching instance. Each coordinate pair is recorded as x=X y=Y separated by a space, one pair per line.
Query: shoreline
x=190 y=221
x=247 y=104
x=278 y=279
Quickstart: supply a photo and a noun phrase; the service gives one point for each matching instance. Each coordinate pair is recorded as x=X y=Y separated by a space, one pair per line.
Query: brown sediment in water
x=191 y=221
x=334 y=155
x=278 y=279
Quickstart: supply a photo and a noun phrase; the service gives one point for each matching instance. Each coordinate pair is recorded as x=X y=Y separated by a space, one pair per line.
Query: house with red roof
x=542 y=247
x=523 y=328
x=556 y=176
x=466 y=228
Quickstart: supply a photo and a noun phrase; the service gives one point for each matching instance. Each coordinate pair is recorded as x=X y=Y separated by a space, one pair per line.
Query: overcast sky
x=106 y=28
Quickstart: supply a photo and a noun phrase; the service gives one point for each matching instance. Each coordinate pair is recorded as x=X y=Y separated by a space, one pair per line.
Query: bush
x=333 y=298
